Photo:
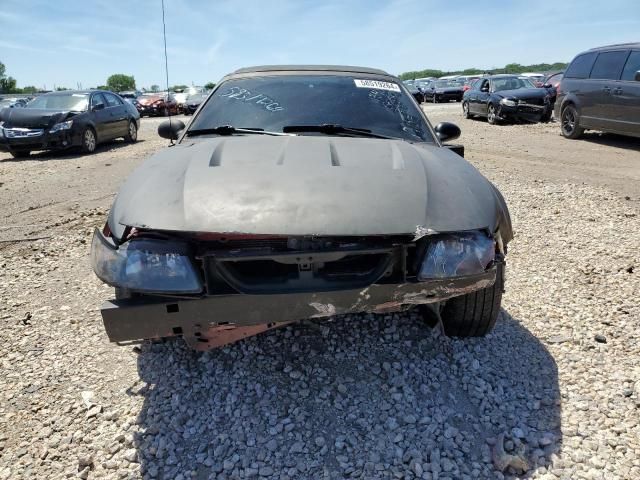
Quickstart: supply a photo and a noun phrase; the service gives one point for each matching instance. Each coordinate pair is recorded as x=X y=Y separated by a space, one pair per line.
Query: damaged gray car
x=302 y=192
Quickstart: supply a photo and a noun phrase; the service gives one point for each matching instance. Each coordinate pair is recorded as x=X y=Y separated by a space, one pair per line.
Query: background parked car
x=67 y=119
x=157 y=104
x=536 y=78
x=193 y=102
x=12 y=102
x=181 y=96
x=600 y=91
x=507 y=97
x=415 y=91
x=443 y=91
x=130 y=96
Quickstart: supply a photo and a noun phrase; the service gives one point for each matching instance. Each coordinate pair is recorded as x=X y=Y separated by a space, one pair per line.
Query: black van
x=601 y=91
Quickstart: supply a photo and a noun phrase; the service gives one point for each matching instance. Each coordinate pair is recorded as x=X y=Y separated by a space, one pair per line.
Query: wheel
x=492 y=117
x=20 y=153
x=465 y=110
x=546 y=116
x=132 y=133
x=570 y=123
x=89 y=141
x=474 y=314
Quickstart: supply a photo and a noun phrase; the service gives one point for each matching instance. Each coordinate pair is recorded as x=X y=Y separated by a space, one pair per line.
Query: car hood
x=307 y=185
x=523 y=93
x=32 y=117
x=149 y=100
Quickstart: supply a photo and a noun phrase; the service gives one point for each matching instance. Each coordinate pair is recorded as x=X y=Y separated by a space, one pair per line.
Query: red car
x=157 y=104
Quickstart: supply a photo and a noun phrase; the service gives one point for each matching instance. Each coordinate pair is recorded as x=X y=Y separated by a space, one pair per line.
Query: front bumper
x=135 y=319
x=150 y=110
x=47 y=141
x=528 y=112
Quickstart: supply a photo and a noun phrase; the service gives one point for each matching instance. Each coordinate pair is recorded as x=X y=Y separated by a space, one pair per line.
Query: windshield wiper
x=229 y=130
x=332 y=129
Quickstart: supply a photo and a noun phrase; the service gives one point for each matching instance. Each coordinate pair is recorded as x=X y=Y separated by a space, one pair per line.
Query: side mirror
x=637 y=77
x=547 y=85
x=447 y=131
x=98 y=106
x=170 y=129
x=484 y=89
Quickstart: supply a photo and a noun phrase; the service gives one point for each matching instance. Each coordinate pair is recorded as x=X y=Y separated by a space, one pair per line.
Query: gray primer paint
x=308 y=185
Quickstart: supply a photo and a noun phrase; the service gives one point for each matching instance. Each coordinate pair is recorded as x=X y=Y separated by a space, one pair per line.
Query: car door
x=100 y=116
x=482 y=100
x=627 y=96
x=472 y=95
x=119 y=122
x=604 y=81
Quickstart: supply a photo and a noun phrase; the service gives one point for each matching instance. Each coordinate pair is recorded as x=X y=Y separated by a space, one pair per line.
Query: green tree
x=8 y=85
x=102 y=87
x=30 y=89
x=210 y=85
x=120 y=82
x=154 y=88
x=175 y=88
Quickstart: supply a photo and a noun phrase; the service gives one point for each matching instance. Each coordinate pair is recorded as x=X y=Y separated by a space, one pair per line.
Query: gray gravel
x=355 y=397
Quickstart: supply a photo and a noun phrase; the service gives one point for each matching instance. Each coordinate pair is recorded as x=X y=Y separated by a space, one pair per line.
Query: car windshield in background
x=445 y=84
x=511 y=83
x=75 y=102
x=276 y=101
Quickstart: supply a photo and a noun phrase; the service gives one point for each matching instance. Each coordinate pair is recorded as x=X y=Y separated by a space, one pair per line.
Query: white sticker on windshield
x=392 y=87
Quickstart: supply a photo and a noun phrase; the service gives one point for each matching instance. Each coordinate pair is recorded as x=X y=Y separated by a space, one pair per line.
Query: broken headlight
x=144 y=265
x=509 y=102
x=61 y=126
x=454 y=255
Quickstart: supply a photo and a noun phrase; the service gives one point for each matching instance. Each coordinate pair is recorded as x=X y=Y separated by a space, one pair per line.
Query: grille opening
x=351 y=266
x=260 y=271
x=173 y=308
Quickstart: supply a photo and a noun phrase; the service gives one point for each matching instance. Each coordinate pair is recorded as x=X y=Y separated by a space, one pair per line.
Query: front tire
x=89 y=140
x=132 y=133
x=465 y=110
x=20 y=153
x=474 y=314
x=570 y=123
x=492 y=116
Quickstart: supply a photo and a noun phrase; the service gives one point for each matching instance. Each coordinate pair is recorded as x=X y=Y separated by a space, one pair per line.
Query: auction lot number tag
x=391 y=87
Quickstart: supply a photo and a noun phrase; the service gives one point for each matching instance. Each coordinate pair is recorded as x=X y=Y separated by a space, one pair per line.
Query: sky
x=75 y=43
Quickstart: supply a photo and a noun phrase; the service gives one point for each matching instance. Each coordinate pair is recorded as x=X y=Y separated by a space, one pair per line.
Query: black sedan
x=67 y=119
x=507 y=97
x=443 y=91
x=415 y=91
x=193 y=102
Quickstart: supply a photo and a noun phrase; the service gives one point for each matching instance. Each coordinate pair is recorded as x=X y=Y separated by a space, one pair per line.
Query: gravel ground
x=553 y=392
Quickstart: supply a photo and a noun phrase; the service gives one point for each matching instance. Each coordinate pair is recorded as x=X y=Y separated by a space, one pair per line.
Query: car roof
x=81 y=92
x=312 y=68
x=503 y=75
x=615 y=46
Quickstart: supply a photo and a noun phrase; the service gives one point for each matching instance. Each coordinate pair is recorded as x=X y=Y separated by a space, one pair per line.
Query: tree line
x=509 y=68
x=118 y=82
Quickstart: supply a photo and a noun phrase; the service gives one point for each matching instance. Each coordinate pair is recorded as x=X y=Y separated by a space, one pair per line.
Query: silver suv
x=601 y=91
